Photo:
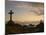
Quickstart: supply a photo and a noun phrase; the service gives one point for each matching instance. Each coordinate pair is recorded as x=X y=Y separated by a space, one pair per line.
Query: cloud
x=36 y=8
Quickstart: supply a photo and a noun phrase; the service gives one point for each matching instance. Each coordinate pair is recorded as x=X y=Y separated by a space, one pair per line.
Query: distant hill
x=12 y=27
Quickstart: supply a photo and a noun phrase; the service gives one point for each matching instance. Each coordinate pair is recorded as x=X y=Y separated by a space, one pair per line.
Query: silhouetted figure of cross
x=11 y=14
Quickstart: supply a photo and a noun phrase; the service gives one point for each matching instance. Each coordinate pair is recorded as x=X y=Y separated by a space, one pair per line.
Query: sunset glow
x=25 y=11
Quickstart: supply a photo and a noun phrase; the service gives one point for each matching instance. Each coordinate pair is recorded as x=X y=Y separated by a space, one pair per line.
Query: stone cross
x=11 y=14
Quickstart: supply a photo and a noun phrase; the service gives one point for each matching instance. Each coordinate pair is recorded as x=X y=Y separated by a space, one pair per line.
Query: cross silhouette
x=11 y=14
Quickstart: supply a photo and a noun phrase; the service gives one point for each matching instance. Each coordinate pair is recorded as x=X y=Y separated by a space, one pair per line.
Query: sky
x=24 y=11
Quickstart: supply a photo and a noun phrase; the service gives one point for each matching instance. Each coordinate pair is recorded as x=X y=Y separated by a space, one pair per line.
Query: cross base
x=10 y=22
